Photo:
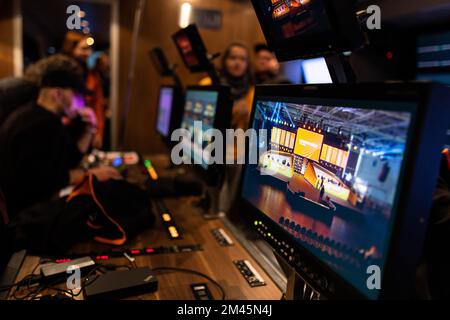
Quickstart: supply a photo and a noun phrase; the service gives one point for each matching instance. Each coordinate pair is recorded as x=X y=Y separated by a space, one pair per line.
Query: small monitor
x=192 y=49
x=315 y=71
x=169 y=111
x=205 y=108
x=297 y=29
x=335 y=176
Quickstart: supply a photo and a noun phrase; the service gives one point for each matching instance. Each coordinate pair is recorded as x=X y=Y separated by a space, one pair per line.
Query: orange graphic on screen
x=308 y=144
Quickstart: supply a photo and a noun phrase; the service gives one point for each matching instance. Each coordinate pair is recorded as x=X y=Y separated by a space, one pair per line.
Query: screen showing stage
x=316 y=71
x=200 y=107
x=165 y=105
x=330 y=177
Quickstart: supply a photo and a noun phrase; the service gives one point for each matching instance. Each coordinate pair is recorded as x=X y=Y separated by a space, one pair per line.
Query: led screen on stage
x=308 y=144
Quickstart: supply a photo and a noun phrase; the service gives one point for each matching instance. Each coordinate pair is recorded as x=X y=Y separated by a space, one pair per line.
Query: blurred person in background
x=267 y=67
x=235 y=71
x=76 y=45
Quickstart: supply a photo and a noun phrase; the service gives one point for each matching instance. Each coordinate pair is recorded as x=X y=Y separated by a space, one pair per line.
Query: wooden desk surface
x=215 y=260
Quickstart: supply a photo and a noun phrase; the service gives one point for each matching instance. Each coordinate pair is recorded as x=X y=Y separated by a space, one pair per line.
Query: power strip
x=222 y=237
x=250 y=274
x=106 y=255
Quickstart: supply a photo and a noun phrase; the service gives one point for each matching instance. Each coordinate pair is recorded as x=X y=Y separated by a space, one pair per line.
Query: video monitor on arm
x=192 y=49
x=297 y=29
x=205 y=108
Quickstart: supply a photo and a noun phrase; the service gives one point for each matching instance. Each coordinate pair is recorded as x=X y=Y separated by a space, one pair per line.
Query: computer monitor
x=206 y=107
x=297 y=29
x=169 y=112
x=344 y=180
x=315 y=71
x=192 y=49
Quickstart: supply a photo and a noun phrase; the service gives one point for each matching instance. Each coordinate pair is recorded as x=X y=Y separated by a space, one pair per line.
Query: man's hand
x=88 y=117
x=105 y=173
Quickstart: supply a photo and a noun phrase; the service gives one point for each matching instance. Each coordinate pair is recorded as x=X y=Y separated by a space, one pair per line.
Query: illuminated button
x=166 y=217
x=173 y=232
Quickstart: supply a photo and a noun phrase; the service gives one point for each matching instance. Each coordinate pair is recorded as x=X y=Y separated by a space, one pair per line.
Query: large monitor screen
x=165 y=105
x=200 y=108
x=330 y=175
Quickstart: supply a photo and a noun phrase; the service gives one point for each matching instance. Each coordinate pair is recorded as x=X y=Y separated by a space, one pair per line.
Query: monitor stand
x=296 y=288
x=209 y=203
x=340 y=69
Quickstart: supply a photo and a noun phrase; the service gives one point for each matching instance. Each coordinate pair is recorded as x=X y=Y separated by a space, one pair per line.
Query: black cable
x=222 y=291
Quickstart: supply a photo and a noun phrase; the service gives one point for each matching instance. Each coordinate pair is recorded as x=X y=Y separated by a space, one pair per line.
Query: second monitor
x=206 y=107
x=169 y=112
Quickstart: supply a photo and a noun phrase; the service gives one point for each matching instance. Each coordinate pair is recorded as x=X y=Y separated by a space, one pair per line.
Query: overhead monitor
x=308 y=28
x=192 y=49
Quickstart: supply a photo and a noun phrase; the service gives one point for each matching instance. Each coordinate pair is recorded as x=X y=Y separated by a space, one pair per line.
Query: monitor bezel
x=412 y=214
x=198 y=47
x=346 y=34
x=222 y=122
x=175 y=115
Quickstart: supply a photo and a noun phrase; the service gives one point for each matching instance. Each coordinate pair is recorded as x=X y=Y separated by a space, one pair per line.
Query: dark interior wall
x=6 y=38
x=160 y=22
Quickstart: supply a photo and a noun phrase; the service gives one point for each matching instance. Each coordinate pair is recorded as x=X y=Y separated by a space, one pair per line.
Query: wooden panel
x=6 y=38
x=160 y=22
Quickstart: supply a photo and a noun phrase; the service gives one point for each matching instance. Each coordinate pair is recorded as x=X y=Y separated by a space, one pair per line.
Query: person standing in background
x=76 y=45
x=267 y=67
x=235 y=71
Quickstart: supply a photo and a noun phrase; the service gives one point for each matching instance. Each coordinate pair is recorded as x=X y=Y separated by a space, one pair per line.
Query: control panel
x=315 y=285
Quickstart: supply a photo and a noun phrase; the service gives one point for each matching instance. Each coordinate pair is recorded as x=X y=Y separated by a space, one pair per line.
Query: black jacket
x=36 y=154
